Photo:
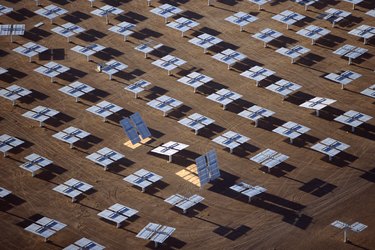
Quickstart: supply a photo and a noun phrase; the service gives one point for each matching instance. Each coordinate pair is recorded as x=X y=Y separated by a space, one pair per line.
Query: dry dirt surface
x=304 y=195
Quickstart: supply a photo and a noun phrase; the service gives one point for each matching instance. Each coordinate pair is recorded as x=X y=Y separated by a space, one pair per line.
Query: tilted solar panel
x=213 y=166
x=130 y=131
x=140 y=125
x=202 y=170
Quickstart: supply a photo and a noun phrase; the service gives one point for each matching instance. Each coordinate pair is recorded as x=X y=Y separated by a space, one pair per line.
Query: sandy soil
x=304 y=195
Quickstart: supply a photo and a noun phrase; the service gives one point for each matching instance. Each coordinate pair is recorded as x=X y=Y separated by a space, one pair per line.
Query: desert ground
x=305 y=194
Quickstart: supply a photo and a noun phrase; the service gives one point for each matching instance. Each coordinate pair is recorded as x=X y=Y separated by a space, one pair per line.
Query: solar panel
x=83 y=244
x=165 y=104
x=293 y=52
x=229 y=57
x=108 y=9
x=67 y=191
x=117 y=213
x=239 y=187
x=207 y=167
x=358 y=227
x=12 y=30
x=148 y=231
x=3 y=71
x=288 y=17
x=350 y=51
x=183 y=202
x=71 y=135
x=40 y=114
x=30 y=49
x=123 y=28
x=175 y=199
x=370 y=91
x=255 y=113
x=156 y=233
x=142 y=178
x=78 y=185
x=284 y=87
x=170 y=148
x=50 y=223
x=241 y=19
x=213 y=164
x=224 y=97
x=166 y=11
x=91 y=3
x=104 y=11
x=138 y=87
x=353 y=118
x=169 y=63
x=364 y=31
x=4 y=192
x=260 y=3
x=339 y=224
x=253 y=191
x=267 y=35
x=138 y=181
x=196 y=122
x=35 y=163
x=205 y=41
x=8 y=142
x=76 y=89
x=231 y=140
x=52 y=69
x=306 y=3
x=88 y=50
x=248 y=190
x=354 y=2
x=163 y=234
x=317 y=103
x=51 y=11
x=68 y=30
x=45 y=227
x=355 y=227
x=112 y=67
x=140 y=125
x=335 y=15
x=104 y=109
x=148 y=47
x=257 y=74
x=313 y=32
x=5 y=10
x=371 y=13
x=269 y=158
x=135 y=127
x=105 y=157
x=14 y=92
x=195 y=80
x=182 y=24
x=291 y=130
x=202 y=169
x=330 y=147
